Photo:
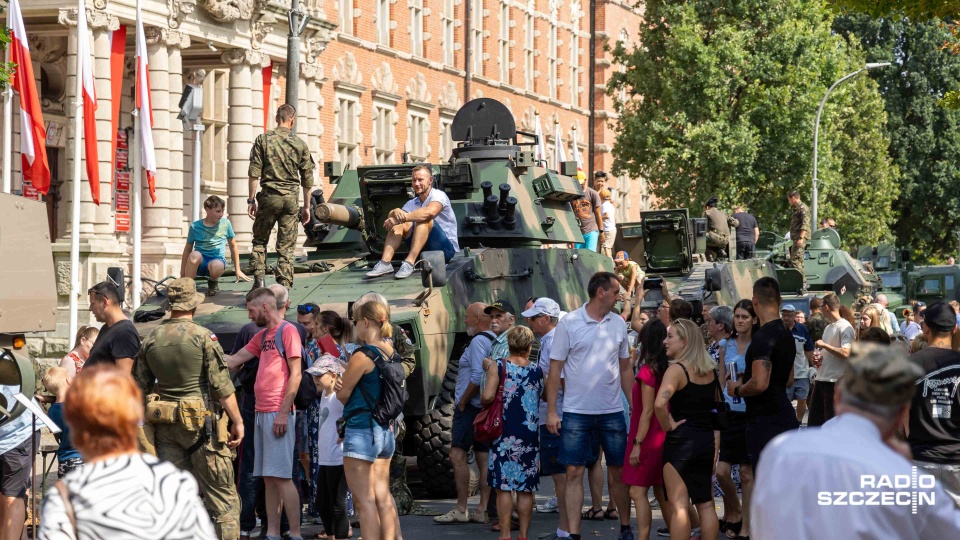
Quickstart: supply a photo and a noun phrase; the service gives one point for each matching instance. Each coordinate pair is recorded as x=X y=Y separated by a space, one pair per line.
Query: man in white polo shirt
x=426 y=223
x=592 y=351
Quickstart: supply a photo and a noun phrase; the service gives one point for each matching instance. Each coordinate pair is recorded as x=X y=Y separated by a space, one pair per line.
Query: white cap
x=543 y=306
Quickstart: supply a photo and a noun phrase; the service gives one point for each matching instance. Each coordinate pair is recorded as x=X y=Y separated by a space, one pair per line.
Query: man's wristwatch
x=251 y=201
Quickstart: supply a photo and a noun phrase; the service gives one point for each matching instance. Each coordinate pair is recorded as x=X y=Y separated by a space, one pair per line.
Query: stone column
x=179 y=216
x=102 y=24
x=156 y=215
x=245 y=66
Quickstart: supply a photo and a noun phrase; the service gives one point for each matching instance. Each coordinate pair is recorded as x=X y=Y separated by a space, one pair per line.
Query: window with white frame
x=574 y=68
x=446 y=137
x=383 y=22
x=416 y=27
x=552 y=59
x=384 y=139
x=528 y=50
x=446 y=19
x=347 y=134
x=213 y=168
x=476 y=35
x=418 y=129
x=345 y=9
x=504 y=43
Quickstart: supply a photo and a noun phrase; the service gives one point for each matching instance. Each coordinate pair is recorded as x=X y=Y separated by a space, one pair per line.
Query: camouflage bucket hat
x=182 y=295
x=881 y=375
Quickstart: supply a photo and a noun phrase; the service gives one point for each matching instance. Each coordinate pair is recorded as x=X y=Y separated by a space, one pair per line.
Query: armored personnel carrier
x=509 y=208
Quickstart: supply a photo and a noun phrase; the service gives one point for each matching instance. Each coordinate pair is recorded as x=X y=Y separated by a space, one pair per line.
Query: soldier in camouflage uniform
x=799 y=231
x=185 y=362
x=282 y=162
x=816 y=324
x=718 y=229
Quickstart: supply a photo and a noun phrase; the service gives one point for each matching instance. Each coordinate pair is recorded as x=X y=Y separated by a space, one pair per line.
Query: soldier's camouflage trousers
x=212 y=466
x=273 y=208
x=715 y=239
x=796 y=258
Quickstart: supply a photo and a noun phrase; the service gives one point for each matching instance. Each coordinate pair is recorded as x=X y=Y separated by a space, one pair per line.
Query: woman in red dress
x=643 y=464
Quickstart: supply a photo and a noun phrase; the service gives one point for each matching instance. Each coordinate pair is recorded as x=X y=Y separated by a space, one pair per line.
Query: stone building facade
x=380 y=82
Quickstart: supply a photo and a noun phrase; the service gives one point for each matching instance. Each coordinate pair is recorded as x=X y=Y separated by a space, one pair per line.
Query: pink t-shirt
x=273 y=372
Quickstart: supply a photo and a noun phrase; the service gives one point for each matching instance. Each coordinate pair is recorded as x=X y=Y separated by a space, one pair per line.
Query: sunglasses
x=305 y=309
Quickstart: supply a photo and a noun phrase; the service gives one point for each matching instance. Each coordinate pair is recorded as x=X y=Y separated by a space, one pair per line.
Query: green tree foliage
x=722 y=97
x=924 y=138
x=916 y=9
x=6 y=68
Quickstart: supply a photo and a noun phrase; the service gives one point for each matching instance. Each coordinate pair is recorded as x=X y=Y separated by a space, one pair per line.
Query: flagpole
x=7 y=132
x=75 y=203
x=135 y=189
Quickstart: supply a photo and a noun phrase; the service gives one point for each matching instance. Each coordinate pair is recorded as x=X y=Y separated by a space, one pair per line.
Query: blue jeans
x=436 y=241
x=589 y=241
x=578 y=430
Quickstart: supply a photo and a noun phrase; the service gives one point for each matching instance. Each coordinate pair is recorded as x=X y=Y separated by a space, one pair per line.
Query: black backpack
x=307 y=392
x=393 y=389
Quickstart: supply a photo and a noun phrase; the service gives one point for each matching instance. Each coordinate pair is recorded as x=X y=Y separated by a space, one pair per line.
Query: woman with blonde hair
x=74 y=360
x=869 y=318
x=688 y=393
x=121 y=493
x=368 y=445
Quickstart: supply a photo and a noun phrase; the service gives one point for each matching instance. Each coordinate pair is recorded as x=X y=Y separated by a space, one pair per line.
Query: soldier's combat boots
x=213 y=287
x=257 y=282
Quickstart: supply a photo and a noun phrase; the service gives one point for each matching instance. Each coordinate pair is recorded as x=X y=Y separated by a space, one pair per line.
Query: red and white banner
x=118 y=45
x=148 y=156
x=33 y=134
x=85 y=69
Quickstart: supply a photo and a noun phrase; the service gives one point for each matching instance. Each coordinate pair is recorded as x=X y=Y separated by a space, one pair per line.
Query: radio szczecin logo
x=911 y=490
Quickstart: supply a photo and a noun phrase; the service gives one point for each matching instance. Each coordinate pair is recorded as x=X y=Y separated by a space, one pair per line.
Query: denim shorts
x=463 y=429
x=550 y=453
x=800 y=389
x=436 y=241
x=578 y=431
x=203 y=270
x=369 y=444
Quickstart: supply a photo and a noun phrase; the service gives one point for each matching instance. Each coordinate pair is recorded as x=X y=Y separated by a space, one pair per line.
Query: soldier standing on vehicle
x=187 y=365
x=718 y=227
x=282 y=161
x=799 y=230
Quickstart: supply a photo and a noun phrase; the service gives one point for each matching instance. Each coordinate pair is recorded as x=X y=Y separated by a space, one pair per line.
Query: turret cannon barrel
x=338 y=214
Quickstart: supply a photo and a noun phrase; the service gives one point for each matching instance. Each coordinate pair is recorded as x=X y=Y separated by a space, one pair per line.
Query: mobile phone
x=652 y=283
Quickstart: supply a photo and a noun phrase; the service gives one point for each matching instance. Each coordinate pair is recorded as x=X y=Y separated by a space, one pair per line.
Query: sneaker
x=663 y=531
x=213 y=287
x=654 y=504
x=452 y=517
x=626 y=535
x=695 y=533
x=381 y=269
x=405 y=270
x=549 y=507
x=478 y=517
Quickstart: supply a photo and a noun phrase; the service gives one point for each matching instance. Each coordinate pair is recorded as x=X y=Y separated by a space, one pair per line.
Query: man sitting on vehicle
x=426 y=223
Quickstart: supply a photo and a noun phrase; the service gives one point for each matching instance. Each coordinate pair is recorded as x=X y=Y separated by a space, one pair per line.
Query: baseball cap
x=881 y=375
x=788 y=308
x=499 y=305
x=940 y=317
x=622 y=256
x=543 y=306
x=327 y=363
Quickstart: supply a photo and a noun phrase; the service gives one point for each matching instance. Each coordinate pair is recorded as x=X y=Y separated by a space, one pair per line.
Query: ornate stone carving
x=417 y=89
x=194 y=76
x=478 y=93
x=235 y=57
x=311 y=72
x=232 y=10
x=346 y=70
x=449 y=98
x=47 y=49
x=508 y=104
x=96 y=19
x=315 y=46
x=382 y=79
x=529 y=120
x=177 y=10
x=164 y=36
x=261 y=28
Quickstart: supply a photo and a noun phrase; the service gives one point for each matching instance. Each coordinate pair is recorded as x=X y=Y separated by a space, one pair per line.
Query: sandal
x=592 y=514
x=734 y=527
x=611 y=514
x=514 y=526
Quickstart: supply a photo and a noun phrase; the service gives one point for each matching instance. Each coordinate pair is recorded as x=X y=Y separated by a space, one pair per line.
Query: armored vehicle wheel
x=433 y=434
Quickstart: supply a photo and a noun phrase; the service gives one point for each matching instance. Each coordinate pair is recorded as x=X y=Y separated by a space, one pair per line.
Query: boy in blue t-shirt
x=68 y=457
x=209 y=237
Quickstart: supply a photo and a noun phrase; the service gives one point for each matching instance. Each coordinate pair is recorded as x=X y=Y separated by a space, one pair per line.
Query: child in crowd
x=206 y=242
x=331 y=480
x=68 y=458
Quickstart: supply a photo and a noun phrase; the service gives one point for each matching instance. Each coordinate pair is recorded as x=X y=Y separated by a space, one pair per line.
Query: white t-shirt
x=331 y=451
x=591 y=351
x=609 y=216
x=446 y=219
x=838 y=334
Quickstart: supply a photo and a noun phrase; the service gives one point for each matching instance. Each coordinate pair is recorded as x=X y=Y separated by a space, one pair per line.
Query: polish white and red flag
x=148 y=156
x=33 y=134
x=85 y=68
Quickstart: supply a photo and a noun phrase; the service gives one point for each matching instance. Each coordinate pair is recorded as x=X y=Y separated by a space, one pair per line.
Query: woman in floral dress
x=514 y=457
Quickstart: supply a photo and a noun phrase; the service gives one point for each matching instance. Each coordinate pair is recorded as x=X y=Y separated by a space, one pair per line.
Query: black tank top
x=694 y=402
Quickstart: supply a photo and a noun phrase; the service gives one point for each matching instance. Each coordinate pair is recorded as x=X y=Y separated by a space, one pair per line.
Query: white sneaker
x=381 y=269
x=452 y=517
x=405 y=270
x=549 y=507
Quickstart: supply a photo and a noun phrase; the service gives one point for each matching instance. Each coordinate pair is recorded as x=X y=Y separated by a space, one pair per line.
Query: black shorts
x=762 y=429
x=746 y=250
x=733 y=441
x=463 y=429
x=15 y=468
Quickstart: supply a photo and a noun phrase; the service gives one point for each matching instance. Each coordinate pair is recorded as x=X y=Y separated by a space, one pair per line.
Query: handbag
x=488 y=425
x=720 y=415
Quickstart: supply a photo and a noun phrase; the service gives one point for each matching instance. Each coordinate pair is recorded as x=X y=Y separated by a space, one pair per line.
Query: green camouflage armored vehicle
x=509 y=210
x=29 y=292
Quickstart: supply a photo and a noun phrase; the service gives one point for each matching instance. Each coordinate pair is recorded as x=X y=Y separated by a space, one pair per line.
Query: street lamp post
x=816 y=130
